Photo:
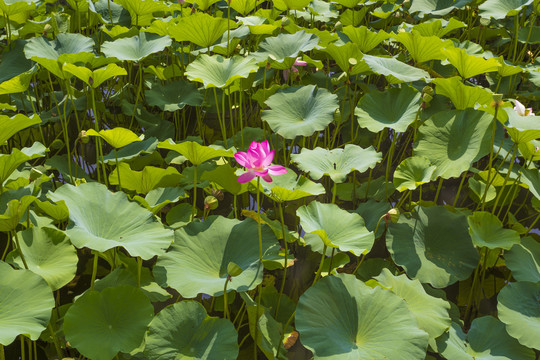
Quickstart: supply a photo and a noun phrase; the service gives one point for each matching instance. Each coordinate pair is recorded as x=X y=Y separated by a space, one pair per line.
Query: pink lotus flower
x=297 y=62
x=258 y=162
x=521 y=110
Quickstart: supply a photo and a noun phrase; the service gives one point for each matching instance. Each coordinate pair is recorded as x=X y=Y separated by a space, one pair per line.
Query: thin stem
x=255 y=345
x=19 y=250
x=439 y=187
x=282 y=287
x=318 y=275
x=194 y=207
x=225 y=300
x=94 y=271
x=117 y=169
x=2 y=355
x=55 y=342
x=459 y=188
x=23 y=356
x=494 y=128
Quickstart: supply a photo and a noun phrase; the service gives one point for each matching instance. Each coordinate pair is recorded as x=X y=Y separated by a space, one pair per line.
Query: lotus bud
x=428 y=90
x=35 y=174
x=46 y=29
x=497 y=100
x=392 y=215
x=285 y=21
x=234 y=270
x=427 y=98
x=210 y=202
x=84 y=138
x=338 y=26
x=484 y=21
x=181 y=2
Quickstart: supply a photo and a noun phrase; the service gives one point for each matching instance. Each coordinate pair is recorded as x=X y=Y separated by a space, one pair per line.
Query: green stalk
x=471 y=292
x=459 y=188
x=2 y=355
x=255 y=345
x=221 y=123
x=494 y=128
x=361 y=260
x=512 y=160
x=55 y=342
x=16 y=237
x=522 y=52
x=94 y=271
x=516 y=30
x=194 y=208
x=439 y=187
x=225 y=300
x=389 y=164
x=319 y=270
x=282 y=287
x=139 y=271
x=99 y=150
x=117 y=169
x=21 y=338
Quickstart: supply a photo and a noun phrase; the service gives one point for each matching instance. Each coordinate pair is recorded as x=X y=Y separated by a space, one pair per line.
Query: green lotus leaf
x=524 y=260
x=395 y=71
x=59 y=212
x=349 y=3
x=300 y=111
x=201 y=29
x=499 y=9
x=14 y=211
x=436 y=7
x=518 y=307
x=290 y=4
x=10 y=162
x=117 y=137
x=25 y=304
x=97 y=77
x=336 y=227
x=366 y=39
x=77 y=45
x=342 y=54
x=194 y=152
x=202 y=4
x=522 y=129
x=14 y=61
x=10 y=125
x=102 y=220
x=487 y=339
x=17 y=84
x=137 y=47
x=529 y=177
x=146 y=180
x=197 y=261
x=282 y=50
x=423 y=48
x=100 y=324
x=131 y=151
x=463 y=96
x=430 y=312
x=453 y=140
x=244 y=6
x=14 y=7
x=336 y=163
x=117 y=12
x=173 y=96
x=184 y=330
x=439 y=27
x=413 y=172
x=157 y=198
x=141 y=10
x=220 y=72
x=433 y=245
x=487 y=230
x=395 y=108
x=290 y=187
x=507 y=69
x=469 y=65
x=341 y=318
x=318 y=10
x=225 y=177
x=48 y=253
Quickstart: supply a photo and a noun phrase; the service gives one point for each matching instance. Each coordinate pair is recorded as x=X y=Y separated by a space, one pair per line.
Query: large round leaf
x=100 y=324
x=487 y=339
x=336 y=163
x=283 y=49
x=524 y=260
x=135 y=48
x=430 y=312
x=393 y=70
x=395 y=109
x=25 y=304
x=519 y=308
x=117 y=137
x=102 y=220
x=433 y=245
x=197 y=261
x=336 y=227
x=220 y=72
x=487 y=230
x=65 y=43
x=300 y=111
x=174 y=95
x=290 y=187
x=48 y=253
x=413 y=172
x=342 y=318
x=499 y=9
x=453 y=140
x=184 y=331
